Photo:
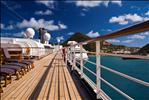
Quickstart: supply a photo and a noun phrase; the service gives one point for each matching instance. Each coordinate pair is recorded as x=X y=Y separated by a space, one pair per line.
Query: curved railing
x=96 y=86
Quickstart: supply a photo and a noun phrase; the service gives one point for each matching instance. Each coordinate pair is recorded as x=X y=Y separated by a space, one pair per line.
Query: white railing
x=96 y=86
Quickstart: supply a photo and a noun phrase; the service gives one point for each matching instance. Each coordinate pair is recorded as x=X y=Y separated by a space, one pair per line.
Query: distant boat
x=128 y=58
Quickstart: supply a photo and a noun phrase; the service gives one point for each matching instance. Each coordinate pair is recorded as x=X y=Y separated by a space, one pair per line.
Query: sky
x=63 y=18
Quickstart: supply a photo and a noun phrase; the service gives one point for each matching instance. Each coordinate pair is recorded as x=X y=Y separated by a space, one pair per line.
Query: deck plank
x=61 y=83
x=17 y=85
x=57 y=84
x=10 y=90
x=46 y=85
x=49 y=83
x=52 y=91
x=69 y=84
x=66 y=92
x=72 y=84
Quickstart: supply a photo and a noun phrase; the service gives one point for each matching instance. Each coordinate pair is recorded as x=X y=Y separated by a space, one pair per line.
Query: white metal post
x=74 y=58
x=81 y=60
x=98 y=68
x=66 y=55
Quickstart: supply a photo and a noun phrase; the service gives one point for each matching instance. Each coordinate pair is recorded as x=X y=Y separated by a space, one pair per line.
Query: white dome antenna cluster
x=29 y=33
x=47 y=37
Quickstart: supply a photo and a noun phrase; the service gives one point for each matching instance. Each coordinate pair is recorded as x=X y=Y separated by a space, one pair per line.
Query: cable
x=13 y=11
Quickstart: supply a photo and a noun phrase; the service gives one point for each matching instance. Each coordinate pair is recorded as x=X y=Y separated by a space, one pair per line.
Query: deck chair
x=1 y=79
x=24 y=67
x=17 y=70
x=5 y=75
x=7 y=58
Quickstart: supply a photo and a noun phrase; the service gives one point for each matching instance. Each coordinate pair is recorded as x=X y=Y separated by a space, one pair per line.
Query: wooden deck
x=49 y=80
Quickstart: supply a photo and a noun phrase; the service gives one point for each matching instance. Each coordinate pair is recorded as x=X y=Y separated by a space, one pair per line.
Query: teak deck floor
x=49 y=80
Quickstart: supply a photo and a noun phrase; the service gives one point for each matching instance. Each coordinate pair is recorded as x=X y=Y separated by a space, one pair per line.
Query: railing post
x=66 y=55
x=81 y=60
x=74 y=59
x=98 y=69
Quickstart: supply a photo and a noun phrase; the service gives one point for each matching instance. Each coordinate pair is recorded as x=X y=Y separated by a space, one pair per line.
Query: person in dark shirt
x=64 y=53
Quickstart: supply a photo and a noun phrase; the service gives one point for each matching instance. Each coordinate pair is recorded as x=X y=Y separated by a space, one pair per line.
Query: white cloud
x=59 y=38
x=47 y=12
x=136 y=36
x=134 y=17
x=93 y=34
x=119 y=2
x=62 y=26
x=2 y=26
x=113 y=40
x=49 y=4
x=19 y=34
x=127 y=18
x=127 y=41
x=85 y=9
x=147 y=13
x=106 y=30
x=70 y=33
x=135 y=7
x=88 y=3
x=120 y=19
x=109 y=30
x=91 y=3
x=145 y=33
x=146 y=18
x=82 y=14
x=49 y=25
x=9 y=27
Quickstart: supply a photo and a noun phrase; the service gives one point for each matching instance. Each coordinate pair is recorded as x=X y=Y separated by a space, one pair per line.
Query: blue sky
x=63 y=18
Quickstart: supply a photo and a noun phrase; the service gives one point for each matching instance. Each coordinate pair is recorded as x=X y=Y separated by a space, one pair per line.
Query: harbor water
x=134 y=67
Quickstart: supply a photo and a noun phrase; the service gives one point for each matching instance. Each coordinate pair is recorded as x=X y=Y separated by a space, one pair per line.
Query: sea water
x=134 y=67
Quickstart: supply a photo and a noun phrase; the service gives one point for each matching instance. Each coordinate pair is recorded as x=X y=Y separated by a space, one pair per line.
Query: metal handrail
x=133 y=29
x=89 y=71
x=116 y=72
x=90 y=62
x=106 y=82
x=127 y=56
x=141 y=27
x=127 y=76
x=122 y=74
x=122 y=55
x=118 y=90
x=87 y=68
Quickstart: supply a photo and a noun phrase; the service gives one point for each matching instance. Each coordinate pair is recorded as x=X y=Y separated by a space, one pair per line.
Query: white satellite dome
x=47 y=36
x=29 y=33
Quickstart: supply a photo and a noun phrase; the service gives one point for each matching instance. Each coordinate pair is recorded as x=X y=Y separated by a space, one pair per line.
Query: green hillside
x=78 y=37
x=144 y=50
x=105 y=46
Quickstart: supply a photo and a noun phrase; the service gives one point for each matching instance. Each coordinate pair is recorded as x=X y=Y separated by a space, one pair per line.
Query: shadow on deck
x=49 y=80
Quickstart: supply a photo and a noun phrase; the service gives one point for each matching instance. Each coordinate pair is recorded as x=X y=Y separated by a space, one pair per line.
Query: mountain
x=79 y=37
x=144 y=50
x=106 y=47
